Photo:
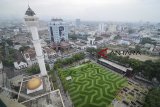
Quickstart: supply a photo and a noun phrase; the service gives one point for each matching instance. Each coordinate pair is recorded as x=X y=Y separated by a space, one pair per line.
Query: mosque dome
x=34 y=83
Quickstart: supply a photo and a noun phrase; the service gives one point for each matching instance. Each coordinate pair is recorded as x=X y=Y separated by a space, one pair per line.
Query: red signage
x=103 y=53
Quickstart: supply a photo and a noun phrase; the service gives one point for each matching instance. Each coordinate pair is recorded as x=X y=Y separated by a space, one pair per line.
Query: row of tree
x=149 y=69
x=7 y=53
x=35 y=69
x=72 y=36
x=9 y=56
x=64 y=62
x=60 y=63
x=148 y=40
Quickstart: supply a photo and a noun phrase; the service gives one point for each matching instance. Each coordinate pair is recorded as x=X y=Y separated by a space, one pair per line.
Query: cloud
x=100 y=10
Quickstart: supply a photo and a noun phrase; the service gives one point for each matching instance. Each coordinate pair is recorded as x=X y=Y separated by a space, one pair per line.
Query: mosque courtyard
x=90 y=85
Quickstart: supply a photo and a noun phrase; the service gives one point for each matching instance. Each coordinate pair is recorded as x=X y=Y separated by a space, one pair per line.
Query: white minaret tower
x=32 y=23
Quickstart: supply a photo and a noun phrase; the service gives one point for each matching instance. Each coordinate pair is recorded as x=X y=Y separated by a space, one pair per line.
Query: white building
x=58 y=30
x=112 y=28
x=91 y=42
x=101 y=28
x=43 y=43
x=17 y=47
x=20 y=65
x=78 y=22
x=124 y=42
x=16 y=31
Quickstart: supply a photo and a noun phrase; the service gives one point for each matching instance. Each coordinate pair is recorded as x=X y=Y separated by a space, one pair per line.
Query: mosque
x=37 y=88
x=35 y=84
x=34 y=90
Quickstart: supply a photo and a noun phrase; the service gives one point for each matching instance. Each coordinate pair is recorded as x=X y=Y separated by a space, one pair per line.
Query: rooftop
x=30 y=12
x=56 y=19
x=115 y=65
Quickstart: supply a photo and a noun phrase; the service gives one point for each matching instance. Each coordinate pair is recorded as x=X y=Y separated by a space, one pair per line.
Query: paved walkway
x=65 y=96
x=13 y=91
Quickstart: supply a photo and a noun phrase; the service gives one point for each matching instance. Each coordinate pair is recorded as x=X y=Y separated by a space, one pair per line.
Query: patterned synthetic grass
x=92 y=85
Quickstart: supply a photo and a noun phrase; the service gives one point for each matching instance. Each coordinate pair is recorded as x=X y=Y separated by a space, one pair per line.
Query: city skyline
x=88 y=10
x=79 y=53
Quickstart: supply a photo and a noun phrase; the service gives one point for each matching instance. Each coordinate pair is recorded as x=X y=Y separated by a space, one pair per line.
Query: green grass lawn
x=92 y=85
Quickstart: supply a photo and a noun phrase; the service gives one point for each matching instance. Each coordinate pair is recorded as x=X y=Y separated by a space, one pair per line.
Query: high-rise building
x=101 y=28
x=32 y=22
x=112 y=28
x=58 y=30
x=78 y=22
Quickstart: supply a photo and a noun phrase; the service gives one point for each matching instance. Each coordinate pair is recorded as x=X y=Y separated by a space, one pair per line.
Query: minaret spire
x=28 y=3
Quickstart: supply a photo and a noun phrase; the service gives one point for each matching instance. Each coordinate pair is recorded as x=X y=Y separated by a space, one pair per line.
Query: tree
x=91 y=51
x=47 y=67
x=117 y=37
x=130 y=31
x=59 y=63
x=73 y=37
x=136 y=65
x=21 y=49
x=9 y=42
x=149 y=69
x=34 y=69
x=8 y=62
x=137 y=48
x=148 y=40
x=153 y=98
x=57 y=66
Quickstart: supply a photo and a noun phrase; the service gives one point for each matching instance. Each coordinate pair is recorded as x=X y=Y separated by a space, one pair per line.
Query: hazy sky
x=94 y=10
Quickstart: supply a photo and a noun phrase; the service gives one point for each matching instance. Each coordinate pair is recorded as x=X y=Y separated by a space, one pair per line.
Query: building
x=59 y=34
x=78 y=22
x=30 y=55
x=135 y=38
x=17 y=47
x=58 y=30
x=16 y=31
x=91 y=42
x=101 y=28
x=20 y=65
x=80 y=45
x=114 y=66
x=31 y=90
x=124 y=42
x=112 y=28
x=99 y=41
